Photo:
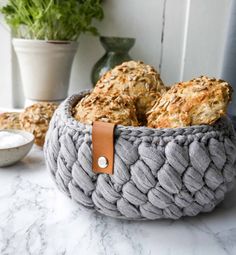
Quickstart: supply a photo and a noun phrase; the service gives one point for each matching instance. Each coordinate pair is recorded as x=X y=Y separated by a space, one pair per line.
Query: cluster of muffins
x=122 y=96
x=34 y=119
x=133 y=94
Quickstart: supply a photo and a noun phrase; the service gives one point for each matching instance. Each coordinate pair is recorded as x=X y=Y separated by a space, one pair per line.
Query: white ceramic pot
x=45 y=68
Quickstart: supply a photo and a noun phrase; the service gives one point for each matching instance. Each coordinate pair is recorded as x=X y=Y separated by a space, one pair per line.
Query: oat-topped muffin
x=113 y=108
x=135 y=79
x=10 y=120
x=36 y=118
x=199 y=101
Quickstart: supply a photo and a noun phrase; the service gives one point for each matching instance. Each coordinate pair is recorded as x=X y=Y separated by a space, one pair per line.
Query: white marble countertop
x=35 y=218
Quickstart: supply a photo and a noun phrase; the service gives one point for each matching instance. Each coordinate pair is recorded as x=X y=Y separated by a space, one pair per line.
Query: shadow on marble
x=210 y=223
x=221 y=211
x=30 y=163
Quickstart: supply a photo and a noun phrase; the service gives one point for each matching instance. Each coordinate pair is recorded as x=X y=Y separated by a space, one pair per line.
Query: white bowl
x=9 y=156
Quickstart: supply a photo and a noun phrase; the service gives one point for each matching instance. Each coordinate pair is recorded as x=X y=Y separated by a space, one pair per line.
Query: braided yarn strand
x=158 y=173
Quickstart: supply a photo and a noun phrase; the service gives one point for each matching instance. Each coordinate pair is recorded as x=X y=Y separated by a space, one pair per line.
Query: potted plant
x=45 y=40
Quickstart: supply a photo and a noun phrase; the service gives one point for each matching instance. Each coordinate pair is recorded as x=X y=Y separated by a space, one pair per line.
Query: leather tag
x=103 y=147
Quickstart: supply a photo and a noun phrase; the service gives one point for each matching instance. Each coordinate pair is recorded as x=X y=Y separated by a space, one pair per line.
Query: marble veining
x=35 y=218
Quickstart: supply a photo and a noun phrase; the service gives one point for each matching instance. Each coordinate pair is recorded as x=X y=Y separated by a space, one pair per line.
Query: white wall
x=229 y=64
x=182 y=38
x=206 y=34
x=5 y=67
x=176 y=19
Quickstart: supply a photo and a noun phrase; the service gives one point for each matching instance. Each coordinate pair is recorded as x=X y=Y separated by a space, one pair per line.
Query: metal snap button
x=102 y=162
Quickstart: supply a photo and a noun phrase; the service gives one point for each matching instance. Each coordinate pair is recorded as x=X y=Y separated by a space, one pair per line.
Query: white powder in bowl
x=10 y=139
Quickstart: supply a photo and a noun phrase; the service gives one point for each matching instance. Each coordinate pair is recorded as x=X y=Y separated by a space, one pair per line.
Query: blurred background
x=181 y=38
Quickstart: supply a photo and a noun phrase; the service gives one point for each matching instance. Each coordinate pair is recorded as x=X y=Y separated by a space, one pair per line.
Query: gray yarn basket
x=158 y=173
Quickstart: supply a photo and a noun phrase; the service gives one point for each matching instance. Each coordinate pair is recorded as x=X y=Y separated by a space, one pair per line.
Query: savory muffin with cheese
x=200 y=101
x=135 y=79
x=113 y=108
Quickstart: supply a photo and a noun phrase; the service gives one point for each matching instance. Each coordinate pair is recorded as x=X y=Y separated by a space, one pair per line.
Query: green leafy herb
x=52 y=19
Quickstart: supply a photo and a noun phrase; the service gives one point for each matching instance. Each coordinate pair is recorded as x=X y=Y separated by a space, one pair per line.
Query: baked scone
x=10 y=120
x=136 y=79
x=36 y=118
x=113 y=108
x=200 y=101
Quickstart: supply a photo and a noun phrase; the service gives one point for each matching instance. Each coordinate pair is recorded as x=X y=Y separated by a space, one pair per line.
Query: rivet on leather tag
x=103 y=147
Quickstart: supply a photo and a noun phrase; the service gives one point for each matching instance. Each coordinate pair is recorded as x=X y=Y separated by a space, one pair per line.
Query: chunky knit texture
x=158 y=173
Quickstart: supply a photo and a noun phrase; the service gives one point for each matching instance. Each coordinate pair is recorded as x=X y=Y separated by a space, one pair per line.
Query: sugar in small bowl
x=14 y=146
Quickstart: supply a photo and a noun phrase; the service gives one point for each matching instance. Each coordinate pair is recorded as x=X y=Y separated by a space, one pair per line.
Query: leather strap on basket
x=103 y=147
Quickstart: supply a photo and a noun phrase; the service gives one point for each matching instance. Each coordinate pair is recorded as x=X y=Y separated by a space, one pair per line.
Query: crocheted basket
x=158 y=173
